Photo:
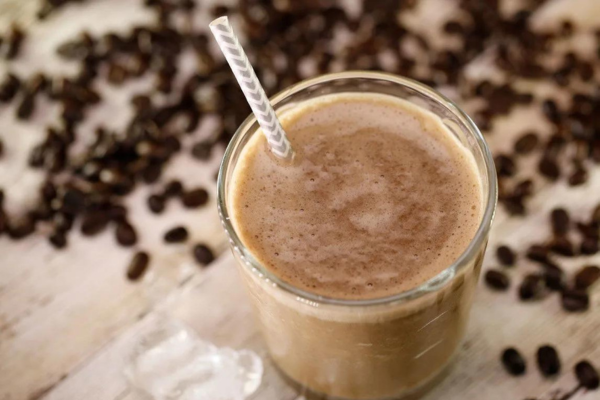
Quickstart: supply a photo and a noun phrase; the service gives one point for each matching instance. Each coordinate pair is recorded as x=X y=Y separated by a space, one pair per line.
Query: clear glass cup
x=381 y=348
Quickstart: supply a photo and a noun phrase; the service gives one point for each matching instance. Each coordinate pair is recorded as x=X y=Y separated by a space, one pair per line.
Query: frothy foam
x=380 y=198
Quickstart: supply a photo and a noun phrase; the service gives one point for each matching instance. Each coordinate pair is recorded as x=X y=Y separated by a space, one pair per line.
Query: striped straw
x=255 y=94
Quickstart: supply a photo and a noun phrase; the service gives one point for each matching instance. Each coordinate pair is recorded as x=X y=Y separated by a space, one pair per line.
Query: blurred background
x=114 y=115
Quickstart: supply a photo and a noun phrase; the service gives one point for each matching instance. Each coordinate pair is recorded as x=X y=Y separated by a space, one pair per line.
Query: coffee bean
x=453 y=27
x=551 y=111
x=93 y=223
x=591 y=230
x=138 y=265
x=176 y=235
x=505 y=255
x=203 y=254
x=152 y=173
x=25 y=107
x=575 y=300
x=587 y=375
x=563 y=246
x=560 y=220
x=532 y=287
x=514 y=206
x=497 y=280
x=62 y=222
x=156 y=203
x=589 y=246
x=116 y=74
x=523 y=189
x=513 y=362
x=537 y=253
x=587 y=276
x=126 y=234
x=578 y=177
x=173 y=189
x=505 y=166
x=202 y=150
x=548 y=360
x=549 y=168
x=3 y=222
x=9 y=87
x=21 y=229
x=58 y=239
x=596 y=214
x=13 y=42
x=526 y=143
x=554 y=277
x=195 y=198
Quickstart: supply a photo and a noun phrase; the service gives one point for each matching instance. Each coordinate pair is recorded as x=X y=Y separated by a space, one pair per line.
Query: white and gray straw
x=255 y=94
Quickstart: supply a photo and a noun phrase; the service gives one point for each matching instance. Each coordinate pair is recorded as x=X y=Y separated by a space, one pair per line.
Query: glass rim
x=469 y=253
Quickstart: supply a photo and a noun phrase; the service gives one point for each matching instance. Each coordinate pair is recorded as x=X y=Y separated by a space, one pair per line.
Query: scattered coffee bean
x=551 y=111
x=126 y=234
x=549 y=168
x=587 y=276
x=21 y=229
x=513 y=362
x=173 y=188
x=203 y=254
x=58 y=239
x=505 y=255
x=138 y=265
x=596 y=214
x=25 y=107
x=195 y=198
x=9 y=87
x=560 y=221
x=575 y=300
x=589 y=246
x=526 y=143
x=548 y=360
x=505 y=166
x=537 y=253
x=532 y=287
x=578 y=177
x=563 y=246
x=523 y=189
x=587 y=375
x=93 y=223
x=176 y=235
x=497 y=280
x=156 y=203
x=554 y=277
x=202 y=150
x=13 y=42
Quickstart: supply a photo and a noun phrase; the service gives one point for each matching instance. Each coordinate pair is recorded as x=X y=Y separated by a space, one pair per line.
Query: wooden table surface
x=69 y=319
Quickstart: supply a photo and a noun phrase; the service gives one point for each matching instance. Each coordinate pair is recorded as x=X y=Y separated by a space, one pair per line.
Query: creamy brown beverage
x=379 y=199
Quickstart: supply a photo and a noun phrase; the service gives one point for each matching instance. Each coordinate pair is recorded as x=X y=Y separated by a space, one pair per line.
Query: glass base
x=412 y=394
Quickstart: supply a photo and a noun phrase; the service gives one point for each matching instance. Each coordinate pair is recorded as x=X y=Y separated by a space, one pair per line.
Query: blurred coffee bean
x=176 y=235
x=497 y=280
x=513 y=362
x=587 y=375
x=138 y=265
x=194 y=198
x=575 y=300
x=203 y=254
x=505 y=255
x=526 y=143
x=587 y=276
x=548 y=360
x=125 y=234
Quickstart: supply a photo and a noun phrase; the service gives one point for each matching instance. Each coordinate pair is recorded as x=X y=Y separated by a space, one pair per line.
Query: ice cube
x=172 y=363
